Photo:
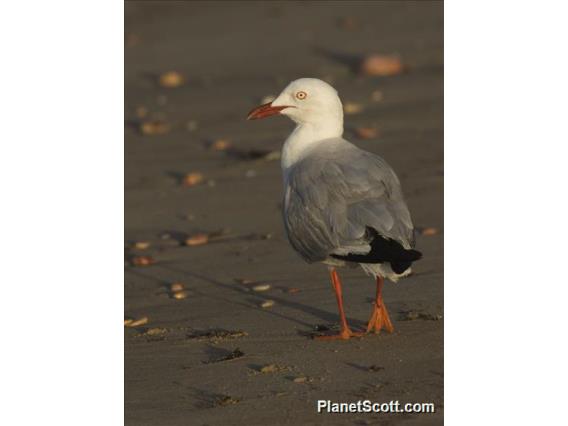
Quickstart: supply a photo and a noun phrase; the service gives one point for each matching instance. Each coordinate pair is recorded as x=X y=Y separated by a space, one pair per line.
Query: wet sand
x=233 y=55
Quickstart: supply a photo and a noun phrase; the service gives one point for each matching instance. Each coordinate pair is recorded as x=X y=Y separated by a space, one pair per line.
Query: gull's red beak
x=264 y=111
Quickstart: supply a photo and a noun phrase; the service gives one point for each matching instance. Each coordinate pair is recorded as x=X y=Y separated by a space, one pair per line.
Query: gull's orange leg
x=345 y=332
x=380 y=317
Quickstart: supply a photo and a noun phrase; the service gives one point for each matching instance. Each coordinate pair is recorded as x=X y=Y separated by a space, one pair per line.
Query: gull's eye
x=301 y=95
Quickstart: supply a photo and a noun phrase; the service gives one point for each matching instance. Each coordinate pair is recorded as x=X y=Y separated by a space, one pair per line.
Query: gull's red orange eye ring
x=301 y=95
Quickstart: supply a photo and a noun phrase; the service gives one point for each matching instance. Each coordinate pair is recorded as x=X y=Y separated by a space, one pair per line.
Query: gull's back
x=335 y=195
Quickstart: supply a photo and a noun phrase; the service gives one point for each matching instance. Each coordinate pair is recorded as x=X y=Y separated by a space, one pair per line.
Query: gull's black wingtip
x=399 y=267
x=415 y=254
x=384 y=250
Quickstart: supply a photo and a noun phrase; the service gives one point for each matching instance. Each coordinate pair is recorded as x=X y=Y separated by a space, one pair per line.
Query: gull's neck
x=305 y=136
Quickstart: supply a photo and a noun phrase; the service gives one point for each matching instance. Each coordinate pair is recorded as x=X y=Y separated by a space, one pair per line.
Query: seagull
x=342 y=206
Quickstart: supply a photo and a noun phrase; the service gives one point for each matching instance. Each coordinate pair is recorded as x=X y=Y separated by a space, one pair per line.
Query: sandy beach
x=213 y=355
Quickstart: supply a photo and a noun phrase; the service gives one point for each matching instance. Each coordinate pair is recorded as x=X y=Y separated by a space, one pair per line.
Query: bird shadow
x=251 y=299
x=257 y=299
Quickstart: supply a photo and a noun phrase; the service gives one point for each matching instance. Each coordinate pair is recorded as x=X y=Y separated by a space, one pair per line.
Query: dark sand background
x=233 y=54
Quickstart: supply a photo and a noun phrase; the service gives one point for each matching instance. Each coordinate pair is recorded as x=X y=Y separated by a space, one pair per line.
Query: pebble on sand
x=272 y=155
x=197 y=240
x=154 y=127
x=352 y=108
x=176 y=287
x=142 y=261
x=428 y=232
x=221 y=145
x=180 y=295
x=141 y=245
x=261 y=287
x=267 y=304
x=171 y=79
x=300 y=379
x=192 y=179
x=156 y=331
x=270 y=368
x=381 y=65
x=366 y=132
x=138 y=322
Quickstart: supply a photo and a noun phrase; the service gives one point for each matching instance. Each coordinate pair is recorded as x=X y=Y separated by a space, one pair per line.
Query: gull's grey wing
x=334 y=193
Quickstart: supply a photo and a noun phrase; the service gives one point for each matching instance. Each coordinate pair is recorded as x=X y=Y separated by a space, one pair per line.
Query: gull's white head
x=306 y=101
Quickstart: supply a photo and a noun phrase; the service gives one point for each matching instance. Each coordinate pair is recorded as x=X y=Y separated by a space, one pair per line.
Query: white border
x=505 y=212
x=61 y=168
